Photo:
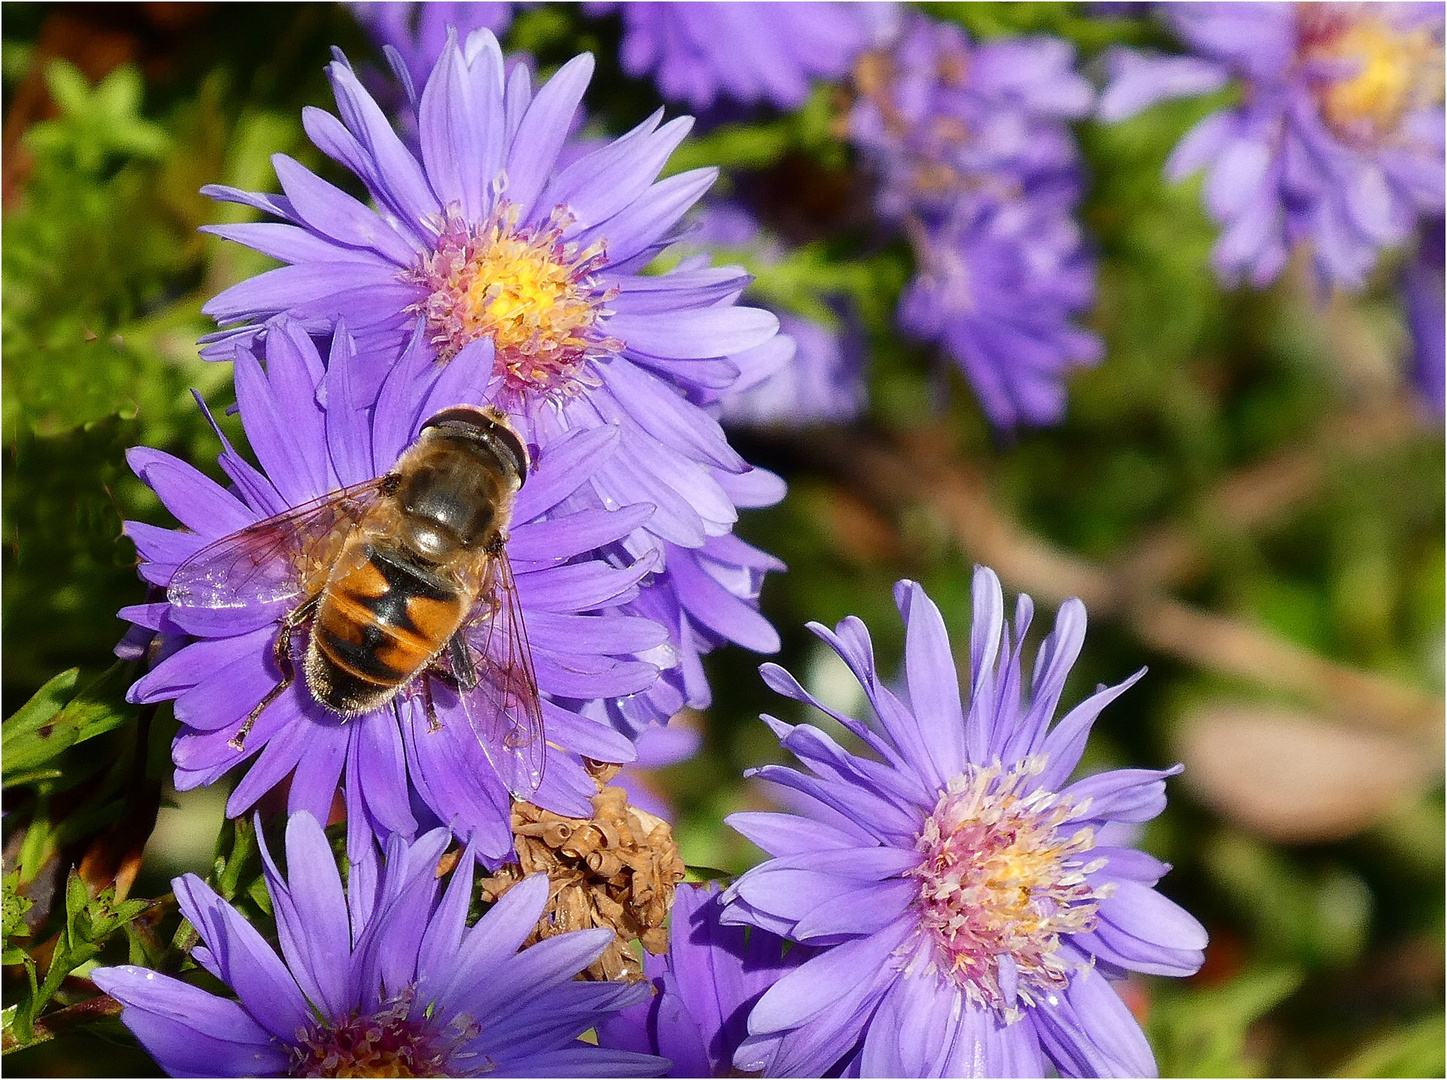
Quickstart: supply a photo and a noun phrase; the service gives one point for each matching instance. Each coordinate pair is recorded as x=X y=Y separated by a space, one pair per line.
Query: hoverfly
x=399 y=580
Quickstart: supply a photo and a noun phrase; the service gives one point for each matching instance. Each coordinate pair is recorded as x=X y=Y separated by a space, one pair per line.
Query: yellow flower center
x=1386 y=71
x=533 y=294
x=1002 y=879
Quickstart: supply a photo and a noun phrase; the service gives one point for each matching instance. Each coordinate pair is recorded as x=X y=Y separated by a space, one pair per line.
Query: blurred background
x=1246 y=492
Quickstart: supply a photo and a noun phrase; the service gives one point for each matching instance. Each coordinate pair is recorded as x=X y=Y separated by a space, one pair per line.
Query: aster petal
x=1066 y=742
x=348 y=434
x=563 y=467
x=1123 y=794
x=397 y=180
x=695 y=333
x=788 y=834
x=561 y=538
x=188 y=1031
x=311 y=915
x=1092 y=1033
x=918 y=1019
x=1202 y=144
x=544 y=127
x=985 y=1047
x=178 y=673
x=377 y=769
x=661 y=412
x=825 y=981
x=579 y=587
x=196 y=501
x=600 y=184
x=640 y=228
x=1140 y=80
x=934 y=692
x=584 y=1059
x=237 y=954
x=461 y=154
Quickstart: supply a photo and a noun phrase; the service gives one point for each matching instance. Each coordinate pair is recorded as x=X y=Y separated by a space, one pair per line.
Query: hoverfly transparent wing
x=502 y=707
x=281 y=558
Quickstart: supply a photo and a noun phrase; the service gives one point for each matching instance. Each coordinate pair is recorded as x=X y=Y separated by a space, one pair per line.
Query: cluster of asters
x=1334 y=145
x=942 y=899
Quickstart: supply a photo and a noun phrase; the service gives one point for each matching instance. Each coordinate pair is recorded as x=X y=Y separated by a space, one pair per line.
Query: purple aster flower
x=383 y=978
x=699 y=52
x=975 y=158
x=1423 y=289
x=999 y=283
x=399 y=769
x=971 y=905
x=938 y=116
x=703 y=989
x=488 y=237
x=1336 y=144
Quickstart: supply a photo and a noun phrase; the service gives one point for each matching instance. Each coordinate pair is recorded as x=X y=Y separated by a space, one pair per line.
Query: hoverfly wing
x=269 y=561
x=503 y=707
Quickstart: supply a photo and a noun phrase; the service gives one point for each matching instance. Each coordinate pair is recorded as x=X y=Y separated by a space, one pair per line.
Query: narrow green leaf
x=54 y=720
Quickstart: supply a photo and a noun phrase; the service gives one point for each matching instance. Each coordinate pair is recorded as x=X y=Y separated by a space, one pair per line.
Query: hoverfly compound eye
x=487 y=426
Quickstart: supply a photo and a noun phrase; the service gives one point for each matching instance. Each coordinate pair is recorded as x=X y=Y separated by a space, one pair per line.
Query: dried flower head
x=615 y=870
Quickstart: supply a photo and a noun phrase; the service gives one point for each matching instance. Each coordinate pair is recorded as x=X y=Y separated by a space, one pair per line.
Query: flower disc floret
x=385 y=1042
x=1004 y=876
x=532 y=292
x=1378 y=71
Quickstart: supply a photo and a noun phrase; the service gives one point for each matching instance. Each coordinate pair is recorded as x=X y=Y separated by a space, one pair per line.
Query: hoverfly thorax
x=454 y=487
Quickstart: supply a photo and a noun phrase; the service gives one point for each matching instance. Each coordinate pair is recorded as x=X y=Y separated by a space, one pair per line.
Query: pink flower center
x=536 y=296
x=1002 y=879
x=384 y=1043
x=1381 y=72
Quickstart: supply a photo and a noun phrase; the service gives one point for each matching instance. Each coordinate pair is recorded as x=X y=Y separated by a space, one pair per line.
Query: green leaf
x=54 y=719
x=15 y=905
x=26 y=737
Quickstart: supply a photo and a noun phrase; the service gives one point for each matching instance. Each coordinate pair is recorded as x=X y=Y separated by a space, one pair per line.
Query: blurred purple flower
x=489 y=237
x=382 y=979
x=971 y=907
x=658 y=748
x=699 y=52
x=820 y=379
x=999 y=282
x=417 y=32
x=312 y=436
x=939 y=117
x=1337 y=142
x=703 y=989
x=974 y=157
x=1424 y=290
x=822 y=384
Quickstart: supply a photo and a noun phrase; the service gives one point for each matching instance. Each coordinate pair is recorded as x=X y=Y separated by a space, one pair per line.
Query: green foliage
x=54 y=720
x=1205 y=1032
x=89 y=923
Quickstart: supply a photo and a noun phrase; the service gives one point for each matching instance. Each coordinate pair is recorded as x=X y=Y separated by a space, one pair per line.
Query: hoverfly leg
x=433 y=724
x=463 y=669
x=281 y=652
